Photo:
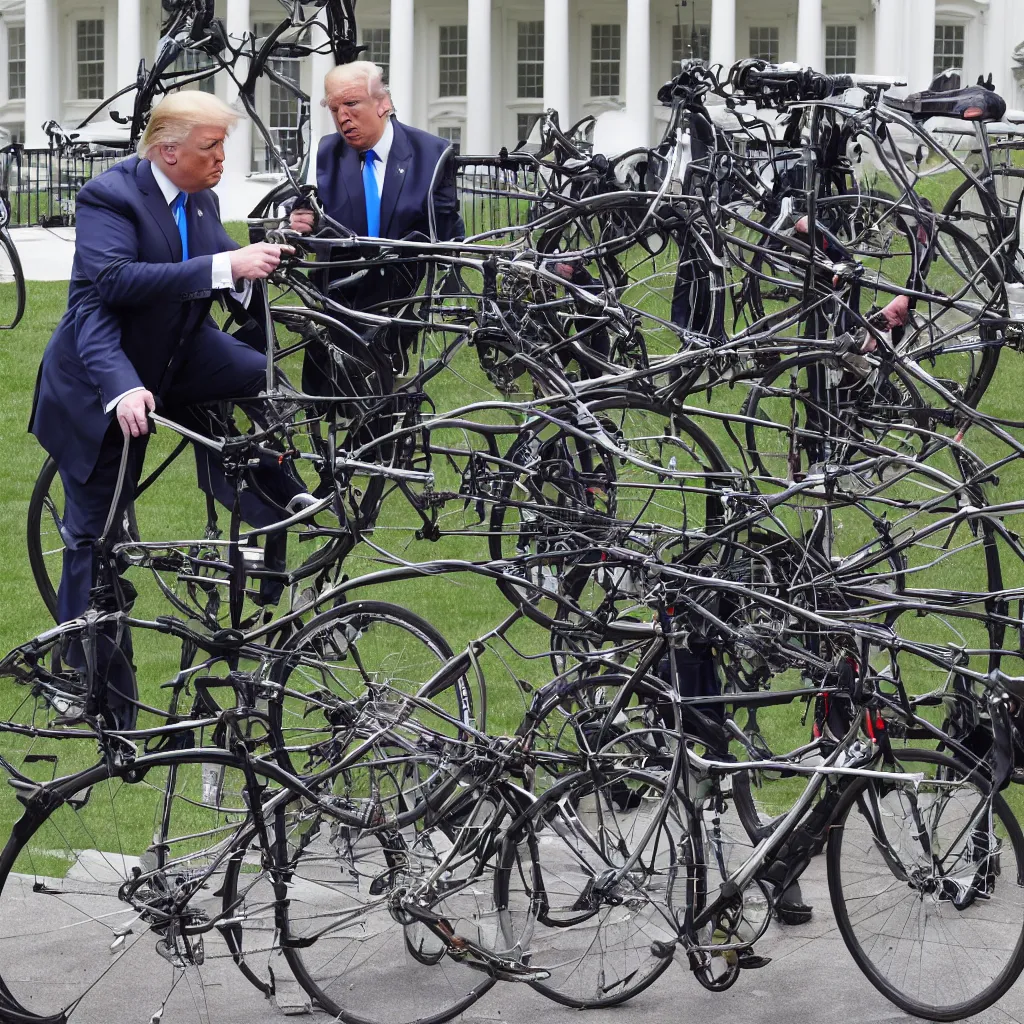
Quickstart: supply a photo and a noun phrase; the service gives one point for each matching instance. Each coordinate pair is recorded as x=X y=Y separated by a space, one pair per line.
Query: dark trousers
x=211 y=366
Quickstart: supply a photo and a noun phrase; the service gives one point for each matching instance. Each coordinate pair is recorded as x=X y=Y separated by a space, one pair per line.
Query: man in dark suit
x=150 y=254
x=376 y=176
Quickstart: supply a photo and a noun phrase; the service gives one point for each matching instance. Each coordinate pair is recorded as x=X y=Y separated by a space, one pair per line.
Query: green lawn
x=461 y=607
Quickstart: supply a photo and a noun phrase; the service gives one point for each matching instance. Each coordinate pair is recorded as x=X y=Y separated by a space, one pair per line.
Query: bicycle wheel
x=927 y=885
x=363 y=650
x=573 y=498
x=977 y=215
x=45 y=542
x=106 y=890
x=349 y=940
x=554 y=907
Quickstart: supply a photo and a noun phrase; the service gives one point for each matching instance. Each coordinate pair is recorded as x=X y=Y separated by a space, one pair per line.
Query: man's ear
x=170 y=154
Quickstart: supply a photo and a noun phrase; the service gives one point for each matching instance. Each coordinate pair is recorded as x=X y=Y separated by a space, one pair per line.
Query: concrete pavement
x=812 y=979
x=46 y=253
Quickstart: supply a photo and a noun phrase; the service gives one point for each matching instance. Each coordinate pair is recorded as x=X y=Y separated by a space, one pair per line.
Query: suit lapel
x=156 y=206
x=198 y=235
x=397 y=171
x=352 y=180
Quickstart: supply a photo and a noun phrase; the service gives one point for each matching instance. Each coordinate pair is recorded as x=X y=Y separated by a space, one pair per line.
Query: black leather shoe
x=793 y=912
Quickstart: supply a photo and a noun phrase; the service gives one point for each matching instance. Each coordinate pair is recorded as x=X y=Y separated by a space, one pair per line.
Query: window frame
x=79 y=18
x=597 y=64
x=845 y=56
x=367 y=55
x=193 y=60
x=461 y=60
x=534 y=66
x=267 y=94
x=681 y=32
x=440 y=129
x=8 y=95
x=778 y=42
x=534 y=115
x=962 y=26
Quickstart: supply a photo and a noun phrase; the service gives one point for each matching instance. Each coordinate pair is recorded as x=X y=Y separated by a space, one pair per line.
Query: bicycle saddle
x=974 y=103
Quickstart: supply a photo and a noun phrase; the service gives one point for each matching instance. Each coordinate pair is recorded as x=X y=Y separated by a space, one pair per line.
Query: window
x=378 y=48
x=530 y=60
x=764 y=43
x=690 y=42
x=89 y=39
x=452 y=135
x=949 y=48
x=524 y=125
x=283 y=111
x=193 y=60
x=605 y=57
x=16 y=62
x=840 y=49
x=452 y=54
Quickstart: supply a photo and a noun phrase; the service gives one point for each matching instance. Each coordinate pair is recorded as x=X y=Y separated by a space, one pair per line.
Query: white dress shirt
x=382 y=148
x=223 y=280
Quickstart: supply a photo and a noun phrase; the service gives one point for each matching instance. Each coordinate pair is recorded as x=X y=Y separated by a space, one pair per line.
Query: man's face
x=198 y=162
x=358 y=115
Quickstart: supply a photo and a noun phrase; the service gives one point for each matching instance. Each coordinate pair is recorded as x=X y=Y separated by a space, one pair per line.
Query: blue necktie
x=178 y=209
x=372 y=195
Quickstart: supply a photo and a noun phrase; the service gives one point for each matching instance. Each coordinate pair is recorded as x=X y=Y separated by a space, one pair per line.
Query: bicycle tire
x=83 y=863
x=937 y=925
x=407 y=651
x=45 y=504
x=572 y=916
x=589 y=489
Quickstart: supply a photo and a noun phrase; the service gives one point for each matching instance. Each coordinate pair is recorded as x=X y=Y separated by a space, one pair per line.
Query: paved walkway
x=811 y=980
x=45 y=253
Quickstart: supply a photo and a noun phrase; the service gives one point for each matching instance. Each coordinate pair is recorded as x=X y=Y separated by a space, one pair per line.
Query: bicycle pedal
x=507 y=970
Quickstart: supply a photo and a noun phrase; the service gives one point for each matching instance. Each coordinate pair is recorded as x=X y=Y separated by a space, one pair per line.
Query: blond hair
x=363 y=72
x=175 y=116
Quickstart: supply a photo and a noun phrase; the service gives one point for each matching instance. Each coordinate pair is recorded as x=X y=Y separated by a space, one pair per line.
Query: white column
x=403 y=51
x=129 y=41
x=557 y=59
x=723 y=33
x=922 y=45
x=809 y=42
x=321 y=122
x=997 y=54
x=478 y=78
x=638 y=71
x=888 y=38
x=238 y=158
x=42 y=70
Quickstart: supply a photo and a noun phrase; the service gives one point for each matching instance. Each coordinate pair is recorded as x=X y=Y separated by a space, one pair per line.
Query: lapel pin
x=401 y=170
x=200 y=213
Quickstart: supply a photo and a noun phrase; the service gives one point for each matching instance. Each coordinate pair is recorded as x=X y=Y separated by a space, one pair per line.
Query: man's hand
x=131 y=413
x=301 y=221
x=257 y=261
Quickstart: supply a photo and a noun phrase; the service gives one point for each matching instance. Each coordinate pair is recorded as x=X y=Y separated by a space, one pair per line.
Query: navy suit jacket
x=131 y=304
x=405 y=199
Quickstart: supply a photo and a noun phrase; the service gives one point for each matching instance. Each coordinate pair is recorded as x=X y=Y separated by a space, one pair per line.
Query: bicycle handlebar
x=783 y=82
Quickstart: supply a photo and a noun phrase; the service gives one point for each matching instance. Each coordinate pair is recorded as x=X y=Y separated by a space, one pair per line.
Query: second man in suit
x=376 y=176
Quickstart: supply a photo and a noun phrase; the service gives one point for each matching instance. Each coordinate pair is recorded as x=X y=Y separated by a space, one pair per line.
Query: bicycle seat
x=974 y=103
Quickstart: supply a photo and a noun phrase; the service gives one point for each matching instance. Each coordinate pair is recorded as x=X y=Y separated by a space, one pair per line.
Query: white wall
x=992 y=29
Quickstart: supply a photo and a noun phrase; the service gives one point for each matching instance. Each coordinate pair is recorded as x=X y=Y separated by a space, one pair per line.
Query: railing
x=496 y=192
x=41 y=185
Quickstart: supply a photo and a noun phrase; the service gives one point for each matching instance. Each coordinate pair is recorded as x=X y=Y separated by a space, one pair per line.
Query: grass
x=462 y=608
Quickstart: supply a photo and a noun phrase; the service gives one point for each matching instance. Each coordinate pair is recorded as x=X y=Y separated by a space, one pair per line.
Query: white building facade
x=479 y=71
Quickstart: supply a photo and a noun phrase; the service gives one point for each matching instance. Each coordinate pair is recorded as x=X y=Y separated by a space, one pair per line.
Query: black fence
x=41 y=184
x=497 y=194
